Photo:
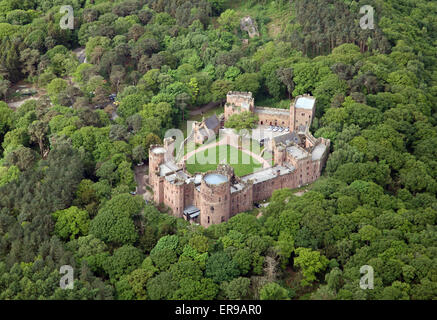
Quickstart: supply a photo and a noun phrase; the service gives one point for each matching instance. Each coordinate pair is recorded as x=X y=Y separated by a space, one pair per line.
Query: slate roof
x=212 y=122
x=287 y=138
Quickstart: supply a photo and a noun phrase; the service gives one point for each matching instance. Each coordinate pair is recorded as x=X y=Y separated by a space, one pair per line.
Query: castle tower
x=215 y=199
x=156 y=158
x=292 y=116
x=279 y=155
x=302 y=111
x=238 y=102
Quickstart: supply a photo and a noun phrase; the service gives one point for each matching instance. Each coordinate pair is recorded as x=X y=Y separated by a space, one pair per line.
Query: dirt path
x=140 y=178
x=300 y=193
x=205 y=108
x=232 y=140
x=17 y=103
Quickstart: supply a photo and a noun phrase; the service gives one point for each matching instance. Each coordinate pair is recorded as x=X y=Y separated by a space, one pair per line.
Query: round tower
x=156 y=158
x=215 y=199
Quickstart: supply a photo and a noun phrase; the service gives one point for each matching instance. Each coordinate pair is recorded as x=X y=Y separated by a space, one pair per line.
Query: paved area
x=262 y=132
x=205 y=108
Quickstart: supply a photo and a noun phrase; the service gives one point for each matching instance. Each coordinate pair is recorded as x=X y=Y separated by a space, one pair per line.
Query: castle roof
x=268 y=173
x=191 y=211
x=305 y=103
x=236 y=187
x=297 y=152
x=212 y=122
x=318 y=151
x=159 y=150
x=272 y=111
x=168 y=167
x=215 y=178
x=287 y=138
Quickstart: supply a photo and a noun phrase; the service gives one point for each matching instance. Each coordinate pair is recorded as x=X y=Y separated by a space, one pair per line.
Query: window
x=208 y=220
x=223 y=219
x=212 y=209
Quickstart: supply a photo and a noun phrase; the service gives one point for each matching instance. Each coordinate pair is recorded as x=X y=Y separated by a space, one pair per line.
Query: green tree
x=124 y=260
x=113 y=223
x=220 y=267
x=71 y=223
x=236 y=289
x=273 y=291
x=311 y=262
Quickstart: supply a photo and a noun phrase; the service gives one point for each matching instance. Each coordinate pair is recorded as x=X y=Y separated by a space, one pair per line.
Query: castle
x=214 y=197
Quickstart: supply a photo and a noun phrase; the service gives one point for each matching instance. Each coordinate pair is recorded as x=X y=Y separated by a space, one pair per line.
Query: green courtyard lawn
x=223 y=155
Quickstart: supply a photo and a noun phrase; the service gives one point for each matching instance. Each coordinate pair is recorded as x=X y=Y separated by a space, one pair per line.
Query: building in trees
x=205 y=129
x=216 y=196
x=298 y=118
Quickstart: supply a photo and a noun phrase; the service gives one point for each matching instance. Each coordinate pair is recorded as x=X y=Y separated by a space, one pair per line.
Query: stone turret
x=302 y=111
x=215 y=198
x=238 y=102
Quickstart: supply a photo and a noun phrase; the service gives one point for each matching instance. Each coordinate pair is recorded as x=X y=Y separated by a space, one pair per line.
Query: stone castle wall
x=235 y=102
x=273 y=117
x=215 y=203
x=219 y=202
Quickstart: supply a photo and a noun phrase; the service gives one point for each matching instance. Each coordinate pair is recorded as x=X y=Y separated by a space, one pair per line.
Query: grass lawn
x=223 y=155
x=249 y=144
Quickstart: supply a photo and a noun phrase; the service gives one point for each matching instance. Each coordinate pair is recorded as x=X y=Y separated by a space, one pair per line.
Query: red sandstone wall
x=273 y=120
x=237 y=99
x=174 y=198
x=242 y=201
x=214 y=203
x=303 y=117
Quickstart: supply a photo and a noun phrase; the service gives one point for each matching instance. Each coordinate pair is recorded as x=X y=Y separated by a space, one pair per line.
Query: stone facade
x=297 y=118
x=273 y=117
x=216 y=196
x=206 y=129
x=238 y=102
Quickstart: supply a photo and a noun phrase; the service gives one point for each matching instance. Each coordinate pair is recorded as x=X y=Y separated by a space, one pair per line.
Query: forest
x=68 y=155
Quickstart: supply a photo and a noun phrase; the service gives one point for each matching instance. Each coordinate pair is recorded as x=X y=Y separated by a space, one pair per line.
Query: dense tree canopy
x=129 y=70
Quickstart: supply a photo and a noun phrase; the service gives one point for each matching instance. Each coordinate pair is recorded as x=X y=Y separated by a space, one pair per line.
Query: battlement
x=239 y=94
x=215 y=196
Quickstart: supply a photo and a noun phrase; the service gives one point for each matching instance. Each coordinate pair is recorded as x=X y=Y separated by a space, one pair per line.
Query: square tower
x=238 y=102
x=302 y=112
